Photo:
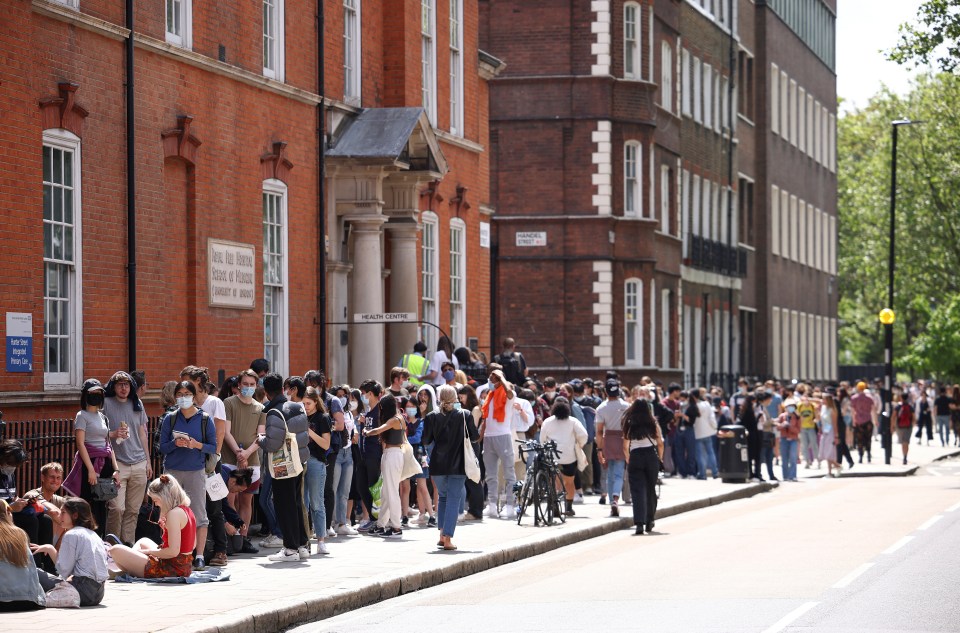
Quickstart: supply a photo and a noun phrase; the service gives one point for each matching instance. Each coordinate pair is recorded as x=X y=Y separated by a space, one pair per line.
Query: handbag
x=285 y=462
x=104 y=490
x=411 y=465
x=471 y=467
x=216 y=488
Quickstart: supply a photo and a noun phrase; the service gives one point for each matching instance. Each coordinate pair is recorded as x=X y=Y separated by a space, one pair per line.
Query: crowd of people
x=325 y=461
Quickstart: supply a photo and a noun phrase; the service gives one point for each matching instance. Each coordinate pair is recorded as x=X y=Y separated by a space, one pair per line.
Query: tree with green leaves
x=935 y=37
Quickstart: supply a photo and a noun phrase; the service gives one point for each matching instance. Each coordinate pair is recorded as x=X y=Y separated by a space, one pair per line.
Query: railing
x=53 y=441
x=716 y=257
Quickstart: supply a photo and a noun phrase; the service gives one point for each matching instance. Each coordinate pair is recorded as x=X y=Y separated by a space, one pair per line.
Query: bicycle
x=542 y=487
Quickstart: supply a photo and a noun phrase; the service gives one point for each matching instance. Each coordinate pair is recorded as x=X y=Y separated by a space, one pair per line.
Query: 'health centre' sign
x=19 y=342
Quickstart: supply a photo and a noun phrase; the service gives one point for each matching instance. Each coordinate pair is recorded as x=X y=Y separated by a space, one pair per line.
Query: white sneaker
x=331 y=532
x=510 y=512
x=491 y=511
x=346 y=530
x=304 y=552
x=272 y=542
x=578 y=498
x=422 y=519
x=322 y=548
x=284 y=556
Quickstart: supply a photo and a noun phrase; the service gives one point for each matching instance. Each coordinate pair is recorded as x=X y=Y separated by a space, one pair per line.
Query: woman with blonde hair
x=19 y=586
x=174 y=556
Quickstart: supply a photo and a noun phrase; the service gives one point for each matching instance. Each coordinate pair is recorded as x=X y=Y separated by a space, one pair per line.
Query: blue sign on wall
x=19 y=342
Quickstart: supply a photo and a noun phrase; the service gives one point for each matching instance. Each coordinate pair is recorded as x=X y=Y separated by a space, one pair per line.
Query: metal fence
x=53 y=441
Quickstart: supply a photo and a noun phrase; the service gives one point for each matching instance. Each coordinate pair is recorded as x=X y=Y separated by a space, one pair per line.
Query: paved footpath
x=264 y=597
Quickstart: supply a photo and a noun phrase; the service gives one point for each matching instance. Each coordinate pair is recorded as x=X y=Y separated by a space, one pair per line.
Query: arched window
x=633 y=311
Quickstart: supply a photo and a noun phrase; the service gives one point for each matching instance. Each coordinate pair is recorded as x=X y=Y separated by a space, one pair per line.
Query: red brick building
x=635 y=164
x=228 y=102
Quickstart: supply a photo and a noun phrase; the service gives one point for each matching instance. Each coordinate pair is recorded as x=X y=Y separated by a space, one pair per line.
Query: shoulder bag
x=471 y=467
x=104 y=490
x=285 y=462
x=411 y=466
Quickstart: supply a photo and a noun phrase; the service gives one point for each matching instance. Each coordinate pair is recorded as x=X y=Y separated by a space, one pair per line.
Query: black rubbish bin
x=734 y=461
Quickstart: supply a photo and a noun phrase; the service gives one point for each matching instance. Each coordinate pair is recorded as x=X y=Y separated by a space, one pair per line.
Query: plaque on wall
x=231 y=274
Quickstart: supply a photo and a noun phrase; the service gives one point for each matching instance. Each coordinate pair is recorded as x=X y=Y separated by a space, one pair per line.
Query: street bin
x=733 y=460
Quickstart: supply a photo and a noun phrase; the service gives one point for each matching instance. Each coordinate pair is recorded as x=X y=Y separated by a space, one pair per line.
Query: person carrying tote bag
x=447 y=430
x=393 y=434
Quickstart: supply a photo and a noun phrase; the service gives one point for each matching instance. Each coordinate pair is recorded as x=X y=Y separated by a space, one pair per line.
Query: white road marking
x=955 y=506
x=849 y=578
x=898 y=545
x=934 y=472
x=788 y=619
x=930 y=522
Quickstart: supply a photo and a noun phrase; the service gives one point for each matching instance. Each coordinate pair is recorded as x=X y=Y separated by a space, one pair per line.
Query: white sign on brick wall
x=231 y=274
x=531 y=238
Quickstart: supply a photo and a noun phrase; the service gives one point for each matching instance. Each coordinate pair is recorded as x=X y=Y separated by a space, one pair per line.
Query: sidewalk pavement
x=918 y=456
x=264 y=597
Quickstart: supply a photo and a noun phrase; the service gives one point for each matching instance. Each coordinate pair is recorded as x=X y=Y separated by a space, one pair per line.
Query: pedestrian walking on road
x=643 y=446
x=902 y=424
x=864 y=412
x=828 y=435
x=789 y=425
x=942 y=407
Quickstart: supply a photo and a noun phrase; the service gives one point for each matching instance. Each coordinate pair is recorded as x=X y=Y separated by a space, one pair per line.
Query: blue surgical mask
x=260 y=381
x=791 y=409
x=185 y=402
x=247 y=392
x=449 y=375
x=457 y=406
x=412 y=412
x=366 y=401
x=343 y=401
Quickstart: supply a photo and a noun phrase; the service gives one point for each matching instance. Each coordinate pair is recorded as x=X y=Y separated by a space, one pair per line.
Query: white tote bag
x=285 y=462
x=471 y=466
x=216 y=488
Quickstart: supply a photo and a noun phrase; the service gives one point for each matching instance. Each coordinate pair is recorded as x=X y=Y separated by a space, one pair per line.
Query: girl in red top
x=174 y=556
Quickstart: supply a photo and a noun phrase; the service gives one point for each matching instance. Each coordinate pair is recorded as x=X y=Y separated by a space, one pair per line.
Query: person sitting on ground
x=81 y=559
x=20 y=588
x=37 y=525
x=174 y=556
x=47 y=495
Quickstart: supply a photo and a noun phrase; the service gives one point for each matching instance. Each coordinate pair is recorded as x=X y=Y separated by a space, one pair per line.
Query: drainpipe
x=321 y=200
x=131 y=202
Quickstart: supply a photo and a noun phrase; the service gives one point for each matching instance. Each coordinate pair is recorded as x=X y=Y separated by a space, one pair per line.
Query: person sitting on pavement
x=568 y=433
x=20 y=588
x=81 y=558
x=173 y=557
x=38 y=525
x=47 y=495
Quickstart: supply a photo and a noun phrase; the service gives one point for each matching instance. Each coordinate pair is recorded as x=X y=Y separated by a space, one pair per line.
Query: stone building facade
x=231 y=175
x=636 y=164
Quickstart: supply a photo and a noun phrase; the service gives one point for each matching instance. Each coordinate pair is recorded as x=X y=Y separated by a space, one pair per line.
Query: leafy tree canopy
x=934 y=38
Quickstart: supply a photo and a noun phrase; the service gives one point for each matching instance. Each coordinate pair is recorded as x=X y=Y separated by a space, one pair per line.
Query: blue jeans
x=706 y=458
x=342 y=478
x=315 y=481
x=452 y=489
x=685 y=452
x=788 y=458
x=808 y=444
x=615 y=468
x=266 y=498
x=943 y=429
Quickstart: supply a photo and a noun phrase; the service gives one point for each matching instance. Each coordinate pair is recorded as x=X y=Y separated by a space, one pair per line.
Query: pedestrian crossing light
x=887 y=316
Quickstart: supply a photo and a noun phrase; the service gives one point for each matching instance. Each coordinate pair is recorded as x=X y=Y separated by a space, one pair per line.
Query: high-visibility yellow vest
x=417 y=365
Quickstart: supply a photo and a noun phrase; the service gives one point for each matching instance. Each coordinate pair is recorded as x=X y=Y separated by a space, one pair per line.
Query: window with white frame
x=686 y=91
x=775 y=220
x=179 y=16
x=697 y=90
x=631 y=40
x=351 y=51
x=792 y=101
x=776 y=342
x=793 y=225
x=666 y=76
x=70 y=3
x=632 y=188
x=273 y=39
x=666 y=177
x=633 y=309
x=652 y=326
x=429 y=266
x=775 y=99
x=685 y=213
x=708 y=95
x=784 y=106
x=428 y=58
x=456 y=67
x=275 y=339
x=802 y=120
x=665 y=338
x=62 y=305
x=458 y=290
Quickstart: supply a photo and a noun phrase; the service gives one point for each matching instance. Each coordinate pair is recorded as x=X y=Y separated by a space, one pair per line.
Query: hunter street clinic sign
x=231 y=274
x=19 y=342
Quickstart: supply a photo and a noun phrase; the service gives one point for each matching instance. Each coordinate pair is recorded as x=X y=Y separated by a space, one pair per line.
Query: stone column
x=403 y=285
x=366 y=341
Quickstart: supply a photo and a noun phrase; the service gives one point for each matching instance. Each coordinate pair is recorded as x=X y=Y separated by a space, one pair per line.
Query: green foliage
x=928 y=231
x=936 y=36
x=936 y=350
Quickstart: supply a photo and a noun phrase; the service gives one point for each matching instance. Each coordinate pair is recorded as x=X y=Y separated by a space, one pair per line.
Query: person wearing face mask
x=354 y=500
x=789 y=425
x=367 y=470
x=95 y=457
x=343 y=466
x=497 y=429
x=245 y=421
x=414 y=422
x=316 y=475
x=444 y=354
x=186 y=438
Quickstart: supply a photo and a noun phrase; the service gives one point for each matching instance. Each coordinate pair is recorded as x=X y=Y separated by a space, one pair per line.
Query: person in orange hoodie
x=789 y=425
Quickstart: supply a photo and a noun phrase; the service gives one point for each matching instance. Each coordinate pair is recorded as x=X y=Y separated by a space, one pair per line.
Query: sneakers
x=603 y=500
x=322 y=548
x=366 y=527
x=614 y=510
x=578 y=498
x=405 y=521
x=421 y=520
x=492 y=511
x=284 y=556
x=248 y=547
x=432 y=522
x=303 y=552
x=219 y=559
x=198 y=562
x=468 y=517
x=391 y=533
x=509 y=512
x=346 y=530
x=272 y=542
x=331 y=533
x=112 y=539
x=376 y=530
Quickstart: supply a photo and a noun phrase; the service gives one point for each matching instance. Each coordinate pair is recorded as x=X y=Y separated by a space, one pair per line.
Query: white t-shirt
x=214 y=408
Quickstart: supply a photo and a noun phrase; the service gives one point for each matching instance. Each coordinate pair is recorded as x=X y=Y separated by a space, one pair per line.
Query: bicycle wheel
x=559 y=498
x=524 y=498
x=542 y=498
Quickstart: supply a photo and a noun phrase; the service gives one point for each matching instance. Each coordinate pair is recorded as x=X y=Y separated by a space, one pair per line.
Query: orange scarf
x=499 y=399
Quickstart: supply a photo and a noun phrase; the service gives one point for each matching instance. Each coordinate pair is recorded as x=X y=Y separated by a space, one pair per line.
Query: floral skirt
x=862 y=436
x=180 y=565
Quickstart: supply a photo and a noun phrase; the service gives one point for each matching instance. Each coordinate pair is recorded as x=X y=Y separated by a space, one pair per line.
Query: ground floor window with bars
x=275 y=339
x=62 y=338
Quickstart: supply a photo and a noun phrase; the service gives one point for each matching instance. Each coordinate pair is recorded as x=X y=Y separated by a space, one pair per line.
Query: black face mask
x=95 y=399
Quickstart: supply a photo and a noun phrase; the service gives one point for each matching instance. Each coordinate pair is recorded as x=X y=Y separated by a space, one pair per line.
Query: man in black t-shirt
x=942 y=407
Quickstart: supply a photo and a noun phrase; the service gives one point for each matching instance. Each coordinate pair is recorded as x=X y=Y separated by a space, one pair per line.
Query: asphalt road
x=872 y=554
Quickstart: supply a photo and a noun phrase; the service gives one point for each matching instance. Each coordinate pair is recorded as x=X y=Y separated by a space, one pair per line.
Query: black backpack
x=512 y=370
